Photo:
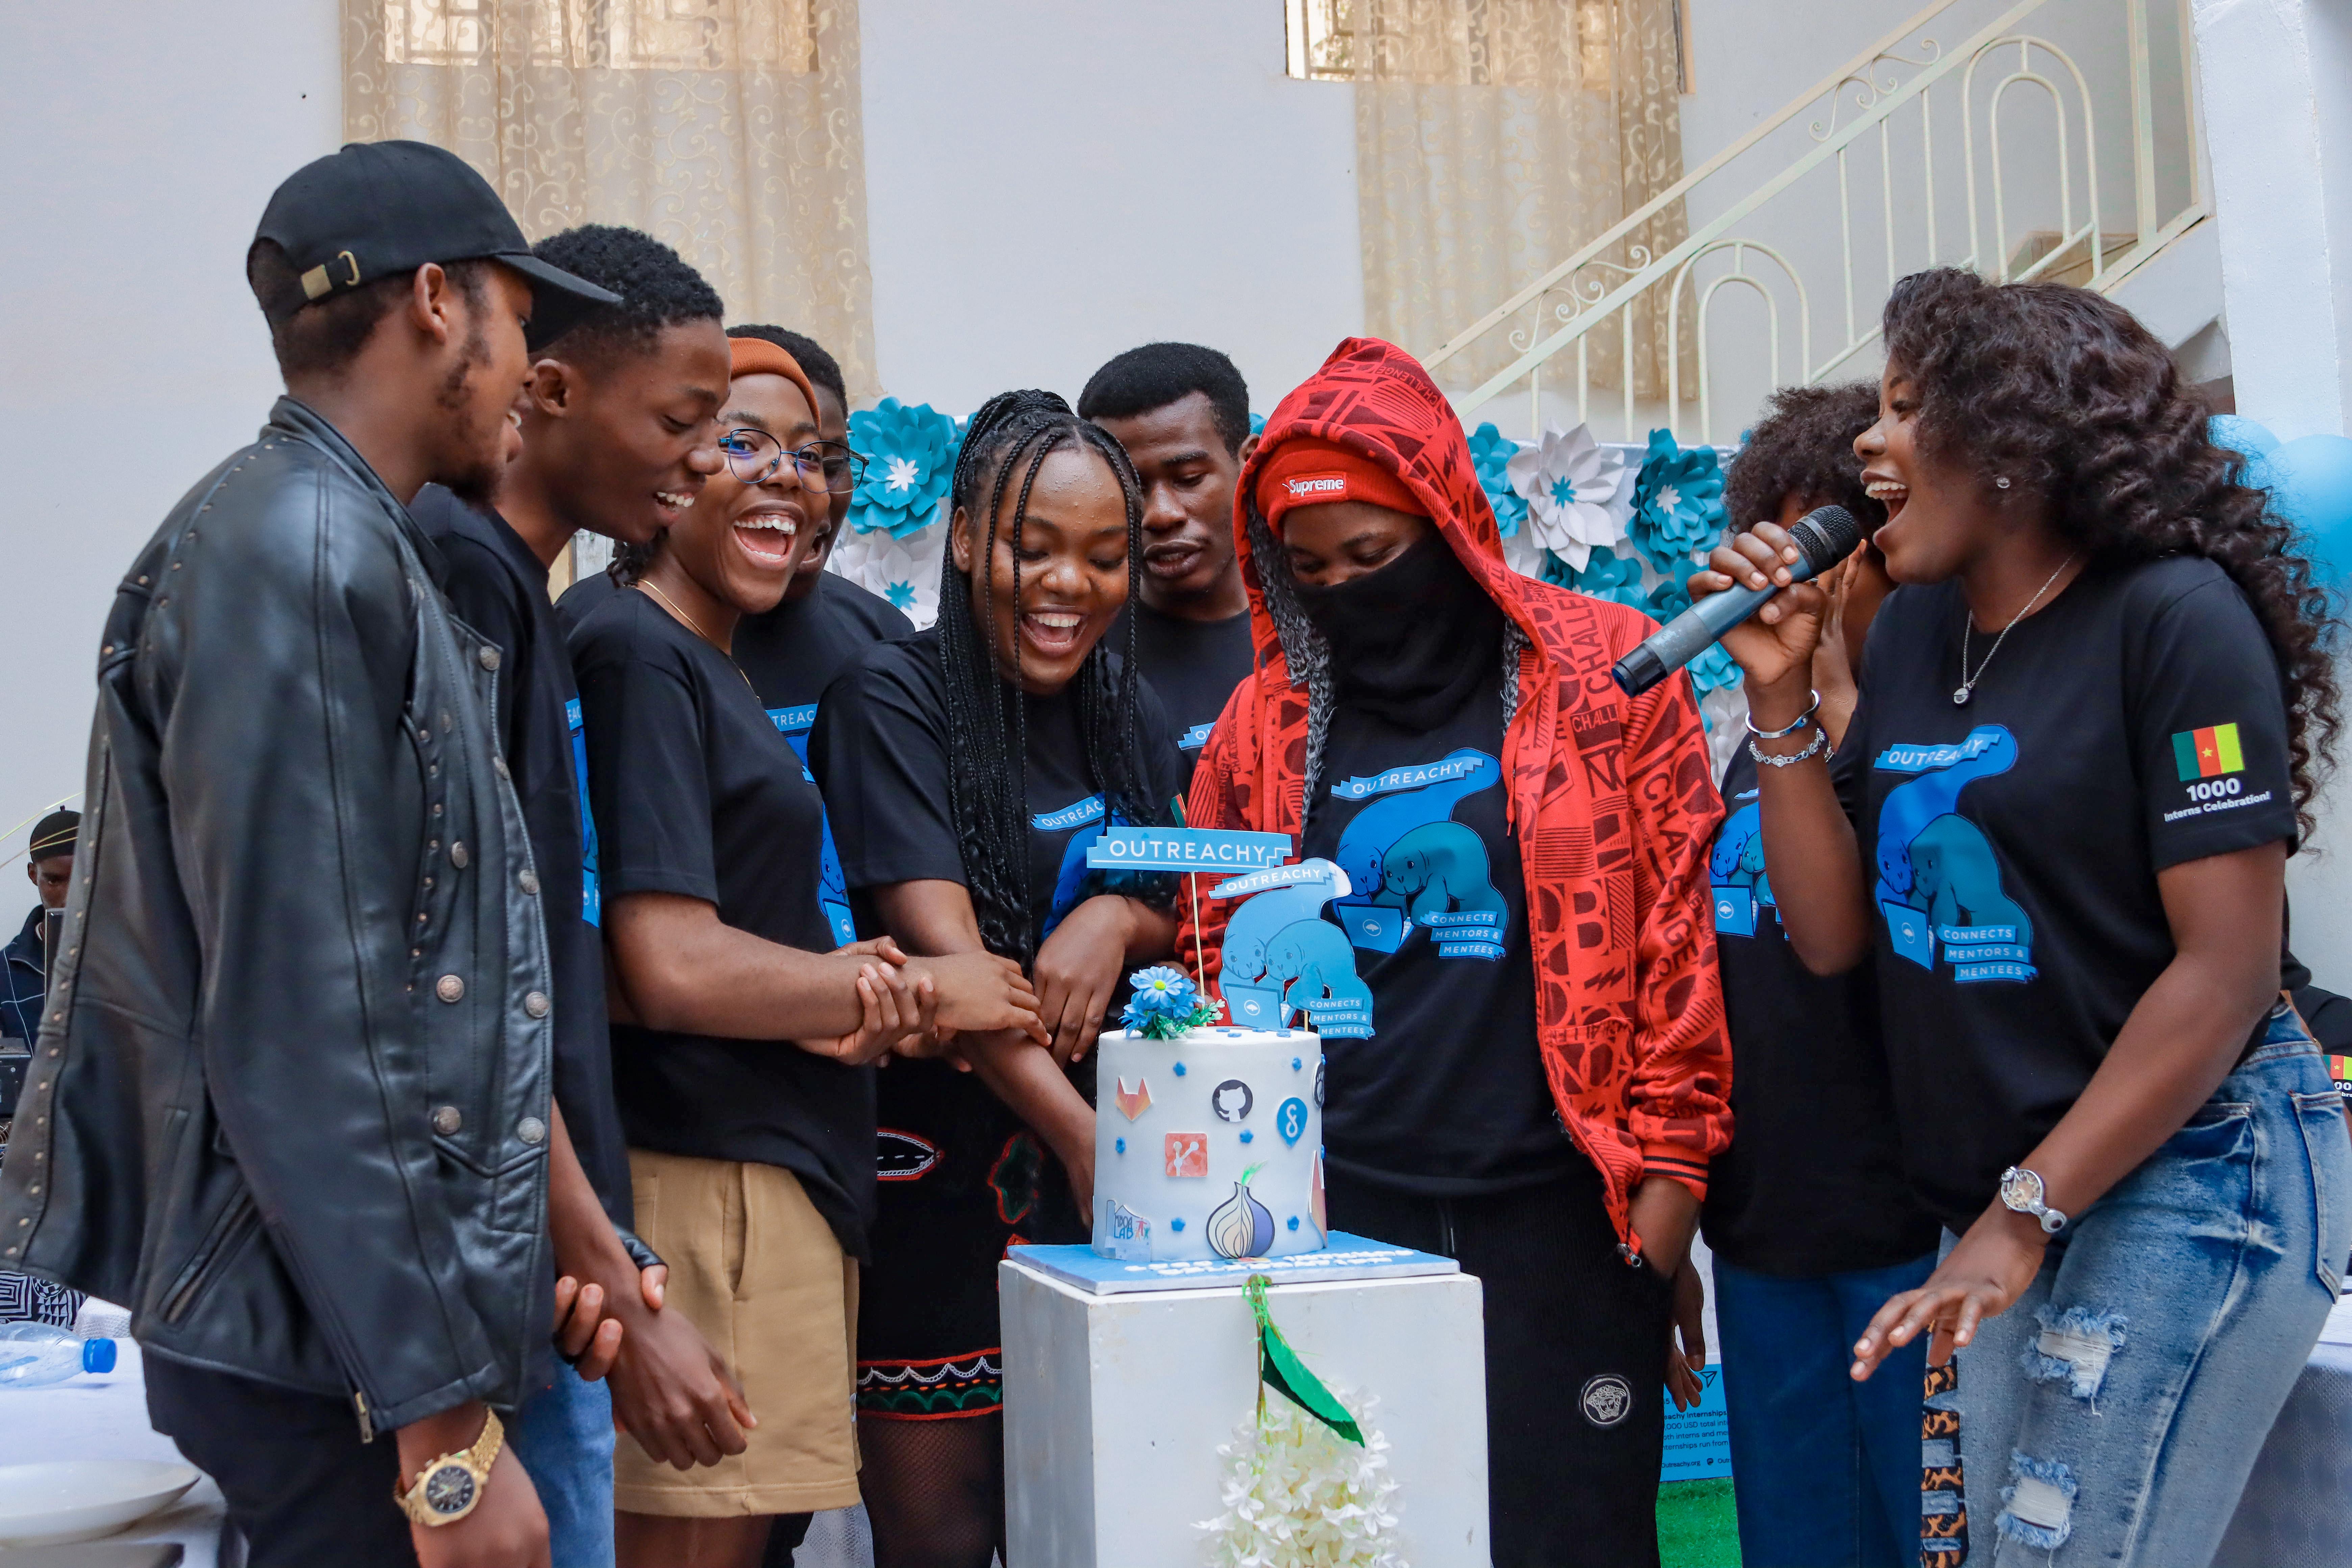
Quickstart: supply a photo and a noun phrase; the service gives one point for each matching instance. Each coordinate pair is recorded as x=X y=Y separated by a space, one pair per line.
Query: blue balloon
x=2310 y=481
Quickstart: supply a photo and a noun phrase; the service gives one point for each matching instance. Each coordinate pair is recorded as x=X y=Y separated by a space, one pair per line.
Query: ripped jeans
x=2113 y=1413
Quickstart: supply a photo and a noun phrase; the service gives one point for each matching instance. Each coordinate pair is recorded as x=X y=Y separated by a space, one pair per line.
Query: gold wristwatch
x=452 y=1484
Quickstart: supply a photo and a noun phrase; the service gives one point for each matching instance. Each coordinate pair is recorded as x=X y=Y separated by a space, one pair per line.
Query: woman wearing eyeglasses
x=824 y=621
x=741 y=1032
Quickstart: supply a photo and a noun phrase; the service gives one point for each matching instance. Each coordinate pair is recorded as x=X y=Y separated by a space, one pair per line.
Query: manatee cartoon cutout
x=1253 y=925
x=1441 y=867
x=1311 y=957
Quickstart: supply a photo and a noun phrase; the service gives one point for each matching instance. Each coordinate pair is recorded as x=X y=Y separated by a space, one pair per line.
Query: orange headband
x=758 y=356
x=1307 y=469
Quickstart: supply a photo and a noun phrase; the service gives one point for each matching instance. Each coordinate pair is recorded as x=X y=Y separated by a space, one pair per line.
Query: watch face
x=449 y=1490
x=2021 y=1189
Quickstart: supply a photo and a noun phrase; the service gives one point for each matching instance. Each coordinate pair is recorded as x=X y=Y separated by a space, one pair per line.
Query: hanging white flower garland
x=1298 y=1496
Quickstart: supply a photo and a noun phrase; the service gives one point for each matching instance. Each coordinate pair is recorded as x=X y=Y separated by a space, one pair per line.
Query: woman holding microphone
x=2059 y=822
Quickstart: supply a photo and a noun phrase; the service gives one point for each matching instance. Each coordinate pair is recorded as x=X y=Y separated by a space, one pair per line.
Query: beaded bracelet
x=1812 y=748
x=1801 y=721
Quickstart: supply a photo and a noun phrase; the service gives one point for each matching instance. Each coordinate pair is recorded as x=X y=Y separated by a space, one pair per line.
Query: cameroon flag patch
x=2207 y=753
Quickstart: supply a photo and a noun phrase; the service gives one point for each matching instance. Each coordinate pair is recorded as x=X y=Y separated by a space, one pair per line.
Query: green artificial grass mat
x=1696 y=1525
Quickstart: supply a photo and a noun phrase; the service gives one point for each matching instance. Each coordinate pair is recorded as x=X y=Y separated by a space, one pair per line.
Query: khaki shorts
x=757 y=1270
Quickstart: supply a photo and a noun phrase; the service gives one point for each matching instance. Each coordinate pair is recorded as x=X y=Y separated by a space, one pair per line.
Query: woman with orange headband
x=741 y=1044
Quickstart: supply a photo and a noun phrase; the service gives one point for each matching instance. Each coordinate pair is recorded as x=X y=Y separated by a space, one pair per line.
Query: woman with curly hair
x=2089 y=719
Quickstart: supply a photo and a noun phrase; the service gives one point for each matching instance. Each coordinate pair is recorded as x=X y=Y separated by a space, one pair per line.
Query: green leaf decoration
x=1279 y=1367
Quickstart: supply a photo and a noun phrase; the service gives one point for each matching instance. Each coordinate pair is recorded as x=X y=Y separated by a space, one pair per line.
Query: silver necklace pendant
x=1959 y=696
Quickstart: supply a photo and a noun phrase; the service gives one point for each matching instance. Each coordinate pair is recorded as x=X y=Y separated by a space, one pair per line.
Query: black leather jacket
x=289 y=1100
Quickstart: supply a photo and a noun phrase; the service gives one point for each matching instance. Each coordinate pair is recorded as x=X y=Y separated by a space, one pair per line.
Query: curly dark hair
x=1804 y=447
x=2064 y=393
x=657 y=288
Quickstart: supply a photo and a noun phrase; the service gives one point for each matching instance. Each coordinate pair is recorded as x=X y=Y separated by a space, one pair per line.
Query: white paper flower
x=1573 y=487
x=1298 y=1497
x=904 y=571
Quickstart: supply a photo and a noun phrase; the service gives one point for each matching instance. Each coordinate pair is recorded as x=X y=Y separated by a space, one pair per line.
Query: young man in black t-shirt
x=618 y=434
x=1182 y=412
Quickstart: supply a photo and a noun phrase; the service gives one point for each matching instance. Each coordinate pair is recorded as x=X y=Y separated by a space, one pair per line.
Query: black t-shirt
x=573 y=606
x=792 y=654
x=500 y=588
x=1445 y=1092
x=880 y=748
x=1813 y=1183
x=2012 y=844
x=1192 y=665
x=696 y=792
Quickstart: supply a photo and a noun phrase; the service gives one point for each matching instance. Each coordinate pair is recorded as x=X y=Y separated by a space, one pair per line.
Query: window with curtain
x=728 y=129
x=1492 y=139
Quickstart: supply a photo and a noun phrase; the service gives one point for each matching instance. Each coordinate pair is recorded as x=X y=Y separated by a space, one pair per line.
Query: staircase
x=2040 y=139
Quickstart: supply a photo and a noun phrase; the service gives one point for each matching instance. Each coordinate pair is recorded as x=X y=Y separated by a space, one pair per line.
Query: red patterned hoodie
x=1611 y=800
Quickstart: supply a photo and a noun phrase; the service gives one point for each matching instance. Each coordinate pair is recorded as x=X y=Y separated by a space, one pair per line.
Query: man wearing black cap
x=290 y=1097
x=48 y=861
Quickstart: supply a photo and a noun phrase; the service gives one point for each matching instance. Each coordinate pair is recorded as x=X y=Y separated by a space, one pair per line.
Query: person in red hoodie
x=1517 y=991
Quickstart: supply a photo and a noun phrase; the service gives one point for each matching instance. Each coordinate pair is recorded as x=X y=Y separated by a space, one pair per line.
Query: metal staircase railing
x=2033 y=206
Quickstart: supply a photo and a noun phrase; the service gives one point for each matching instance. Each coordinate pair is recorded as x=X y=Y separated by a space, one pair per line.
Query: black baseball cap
x=380 y=209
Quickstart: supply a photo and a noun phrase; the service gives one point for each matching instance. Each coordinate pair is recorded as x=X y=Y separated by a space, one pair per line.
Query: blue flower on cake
x=1677 y=504
x=1165 y=1003
x=1573 y=487
x=911 y=454
x=1490 y=453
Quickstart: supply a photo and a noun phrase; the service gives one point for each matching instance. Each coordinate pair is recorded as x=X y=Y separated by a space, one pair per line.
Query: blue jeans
x=563 y=1435
x=2113 y=1413
x=1825 y=1470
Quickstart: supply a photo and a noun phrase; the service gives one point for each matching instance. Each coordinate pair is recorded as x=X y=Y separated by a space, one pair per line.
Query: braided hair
x=988 y=730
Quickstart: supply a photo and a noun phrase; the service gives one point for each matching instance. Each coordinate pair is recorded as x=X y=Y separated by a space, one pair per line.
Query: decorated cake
x=1208 y=1139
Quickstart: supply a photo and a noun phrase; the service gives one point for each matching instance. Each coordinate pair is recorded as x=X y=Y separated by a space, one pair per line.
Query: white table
x=1116 y=1405
x=104 y=1416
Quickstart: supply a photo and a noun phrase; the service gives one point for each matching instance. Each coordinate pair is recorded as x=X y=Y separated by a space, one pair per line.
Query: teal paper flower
x=910 y=454
x=1490 y=449
x=1606 y=575
x=1677 y=504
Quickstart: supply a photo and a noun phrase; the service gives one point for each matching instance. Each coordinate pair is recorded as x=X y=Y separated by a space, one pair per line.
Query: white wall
x=139 y=155
x=1051 y=182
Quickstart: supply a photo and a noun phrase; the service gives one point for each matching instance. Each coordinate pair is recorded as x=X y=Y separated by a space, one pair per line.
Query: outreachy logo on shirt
x=1409 y=864
x=592 y=907
x=1736 y=870
x=1196 y=737
x=2211 y=763
x=832 y=887
x=1940 y=885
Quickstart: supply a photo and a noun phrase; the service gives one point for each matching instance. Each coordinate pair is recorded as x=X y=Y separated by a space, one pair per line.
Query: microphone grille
x=1826 y=536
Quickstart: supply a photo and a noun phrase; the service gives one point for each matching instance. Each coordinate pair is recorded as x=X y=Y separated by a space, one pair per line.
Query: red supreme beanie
x=1307 y=471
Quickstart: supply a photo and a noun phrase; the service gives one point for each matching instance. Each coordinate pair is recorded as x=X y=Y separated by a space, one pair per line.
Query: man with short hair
x=618 y=435
x=23 y=965
x=290 y=1103
x=1182 y=412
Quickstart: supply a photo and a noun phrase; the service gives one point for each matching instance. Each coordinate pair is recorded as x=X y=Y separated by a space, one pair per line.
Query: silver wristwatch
x=2021 y=1190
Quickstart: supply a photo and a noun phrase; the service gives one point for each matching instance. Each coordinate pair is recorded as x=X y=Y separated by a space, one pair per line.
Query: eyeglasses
x=753 y=455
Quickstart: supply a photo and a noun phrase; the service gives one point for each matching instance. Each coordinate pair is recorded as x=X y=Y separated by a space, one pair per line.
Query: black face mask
x=1410 y=641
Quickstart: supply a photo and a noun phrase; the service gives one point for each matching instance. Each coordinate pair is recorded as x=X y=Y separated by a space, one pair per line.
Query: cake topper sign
x=1122 y=848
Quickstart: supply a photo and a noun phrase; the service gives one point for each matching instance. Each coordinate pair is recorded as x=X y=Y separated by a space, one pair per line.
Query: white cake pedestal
x=1116 y=1405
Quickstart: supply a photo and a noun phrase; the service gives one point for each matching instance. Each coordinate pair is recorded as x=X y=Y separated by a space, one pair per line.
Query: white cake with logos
x=1208 y=1139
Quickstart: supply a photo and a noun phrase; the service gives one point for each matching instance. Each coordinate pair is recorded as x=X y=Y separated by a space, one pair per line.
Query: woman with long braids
x=2091 y=719
x=967 y=770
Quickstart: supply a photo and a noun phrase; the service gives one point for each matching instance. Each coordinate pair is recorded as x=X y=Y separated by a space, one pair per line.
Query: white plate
x=81 y=1500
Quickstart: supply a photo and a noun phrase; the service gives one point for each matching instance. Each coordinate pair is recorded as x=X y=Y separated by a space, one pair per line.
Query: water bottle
x=33 y=1355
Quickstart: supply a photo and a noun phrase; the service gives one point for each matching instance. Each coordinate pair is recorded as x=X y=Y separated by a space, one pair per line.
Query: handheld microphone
x=1825 y=536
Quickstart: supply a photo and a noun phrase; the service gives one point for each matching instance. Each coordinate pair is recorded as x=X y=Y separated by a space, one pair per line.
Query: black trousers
x=301 y=1487
x=1576 y=1361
